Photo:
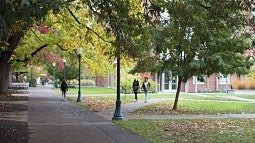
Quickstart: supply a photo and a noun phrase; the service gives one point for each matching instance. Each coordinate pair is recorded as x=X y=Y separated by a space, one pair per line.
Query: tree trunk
x=4 y=77
x=5 y=55
x=177 y=94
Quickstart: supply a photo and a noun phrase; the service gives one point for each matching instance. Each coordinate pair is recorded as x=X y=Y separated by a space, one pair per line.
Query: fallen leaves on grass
x=193 y=131
x=203 y=130
x=96 y=105
x=160 y=110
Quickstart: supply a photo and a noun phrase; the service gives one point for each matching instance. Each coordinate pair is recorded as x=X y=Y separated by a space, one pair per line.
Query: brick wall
x=211 y=84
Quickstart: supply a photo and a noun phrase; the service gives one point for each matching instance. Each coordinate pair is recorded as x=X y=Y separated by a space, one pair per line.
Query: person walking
x=136 y=88
x=43 y=81
x=146 y=86
x=64 y=88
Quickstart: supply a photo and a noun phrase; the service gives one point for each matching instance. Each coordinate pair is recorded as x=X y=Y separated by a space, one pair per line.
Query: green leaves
x=201 y=37
x=24 y=2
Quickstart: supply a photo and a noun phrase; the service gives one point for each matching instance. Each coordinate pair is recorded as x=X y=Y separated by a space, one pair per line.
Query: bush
x=84 y=82
x=246 y=83
x=74 y=82
x=87 y=82
x=32 y=82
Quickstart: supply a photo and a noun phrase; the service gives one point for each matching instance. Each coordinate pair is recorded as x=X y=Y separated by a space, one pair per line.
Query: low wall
x=232 y=91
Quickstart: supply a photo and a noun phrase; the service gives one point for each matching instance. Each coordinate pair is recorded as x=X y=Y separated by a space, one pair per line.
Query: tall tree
x=120 y=19
x=202 y=37
x=210 y=37
x=67 y=31
x=16 y=17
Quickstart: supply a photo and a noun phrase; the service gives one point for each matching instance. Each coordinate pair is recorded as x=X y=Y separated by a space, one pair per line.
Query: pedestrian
x=43 y=81
x=136 y=88
x=64 y=88
x=146 y=86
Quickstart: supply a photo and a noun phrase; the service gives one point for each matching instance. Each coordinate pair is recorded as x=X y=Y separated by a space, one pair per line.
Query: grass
x=98 y=97
x=98 y=103
x=172 y=131
x=180 y=130
x=198 y=107
x=92 y=90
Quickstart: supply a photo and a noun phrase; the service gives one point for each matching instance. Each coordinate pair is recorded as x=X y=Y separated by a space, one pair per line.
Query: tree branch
x=97 y=34
x=61 y=48
x=13 y=42
x=39 y=49
x=205 y=7
x=76 y=19
x=36 y=35
x=32 y=54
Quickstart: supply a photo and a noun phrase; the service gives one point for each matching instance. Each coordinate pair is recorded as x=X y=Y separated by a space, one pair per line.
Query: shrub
x=246 y=83
x=84 y=82
x=87 y=82
x=74 y=82
x=32 y=82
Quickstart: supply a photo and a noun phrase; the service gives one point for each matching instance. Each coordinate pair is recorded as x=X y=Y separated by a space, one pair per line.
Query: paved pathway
x=130 y=107
x=52 y=120
x=240 y=98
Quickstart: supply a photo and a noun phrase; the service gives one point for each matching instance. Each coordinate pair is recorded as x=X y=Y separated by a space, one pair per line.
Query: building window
x=195 y=80
x=223 y=80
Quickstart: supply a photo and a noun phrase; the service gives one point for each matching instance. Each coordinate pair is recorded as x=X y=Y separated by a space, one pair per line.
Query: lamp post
x=31 y=77
x=117 y=114
x=54 y=73
x=79 y=99
x=64 y=61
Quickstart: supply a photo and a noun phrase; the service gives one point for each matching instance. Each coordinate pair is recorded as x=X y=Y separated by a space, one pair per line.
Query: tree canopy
x=47 y=31
x=197 y=38
x=16 y=17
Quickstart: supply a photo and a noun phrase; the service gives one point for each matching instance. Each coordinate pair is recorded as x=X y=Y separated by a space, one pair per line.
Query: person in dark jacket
x=64 y=88
x=136 y=88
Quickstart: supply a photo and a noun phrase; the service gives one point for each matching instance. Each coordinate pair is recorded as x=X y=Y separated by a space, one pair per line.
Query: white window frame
x=222 y=79
x=198 y=82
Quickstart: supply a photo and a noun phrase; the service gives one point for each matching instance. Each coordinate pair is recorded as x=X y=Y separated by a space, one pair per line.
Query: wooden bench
x=19 y=87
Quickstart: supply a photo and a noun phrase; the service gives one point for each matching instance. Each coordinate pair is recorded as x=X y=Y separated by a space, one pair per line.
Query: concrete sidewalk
x=53 y=120
x=128 y=108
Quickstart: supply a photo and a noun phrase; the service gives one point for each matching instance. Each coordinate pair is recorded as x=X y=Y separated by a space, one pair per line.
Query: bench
x=19 y=87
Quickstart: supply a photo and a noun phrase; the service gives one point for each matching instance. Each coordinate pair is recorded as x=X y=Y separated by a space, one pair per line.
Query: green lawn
x=92 y=90
x=197 y=131
x=188 y=103
x=179 y=130
x=198 y=107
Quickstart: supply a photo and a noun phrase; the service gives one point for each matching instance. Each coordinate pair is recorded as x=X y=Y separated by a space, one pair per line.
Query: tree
x=72 y=30
x=63 y=39
x=51 y=34
x=16 y=18
x=196 y=38
x=120 y=21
